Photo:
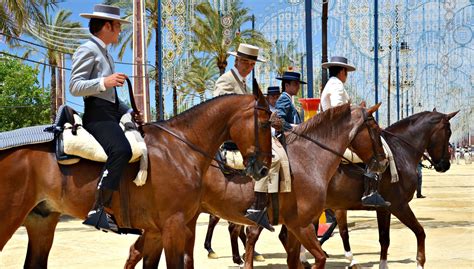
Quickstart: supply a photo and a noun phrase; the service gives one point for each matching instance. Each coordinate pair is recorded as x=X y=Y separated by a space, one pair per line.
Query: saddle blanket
x=25 y=136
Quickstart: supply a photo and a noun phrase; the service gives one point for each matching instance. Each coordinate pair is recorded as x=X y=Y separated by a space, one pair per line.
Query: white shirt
x=333 y=94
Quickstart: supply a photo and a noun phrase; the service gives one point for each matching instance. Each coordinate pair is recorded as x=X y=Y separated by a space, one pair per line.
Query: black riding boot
x=258 y=211
x=371 y=197
x=98 y=216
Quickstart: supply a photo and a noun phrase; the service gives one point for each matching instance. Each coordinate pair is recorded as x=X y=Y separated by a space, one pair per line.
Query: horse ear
x=256 y=90
x=363 y=104
x=450 y=115
x=374 y=108
x=434 y=109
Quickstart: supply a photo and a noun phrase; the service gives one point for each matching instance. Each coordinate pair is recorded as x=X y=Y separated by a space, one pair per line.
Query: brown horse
x=408 y=139
x=312 y=167
x=179 y=157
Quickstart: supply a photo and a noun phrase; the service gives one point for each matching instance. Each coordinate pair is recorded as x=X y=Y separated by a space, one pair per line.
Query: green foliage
x=22 y=102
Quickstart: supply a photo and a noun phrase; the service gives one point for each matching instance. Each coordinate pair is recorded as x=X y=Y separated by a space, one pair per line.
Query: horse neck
x=207 y=125
x=416 y=132
x=333 y=131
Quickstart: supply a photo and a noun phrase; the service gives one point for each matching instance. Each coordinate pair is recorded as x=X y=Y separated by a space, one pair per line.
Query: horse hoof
x=259 y=258
x=212 y=255
x=306 y=265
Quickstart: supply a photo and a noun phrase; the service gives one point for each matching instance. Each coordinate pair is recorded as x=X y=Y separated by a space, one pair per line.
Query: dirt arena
x=447 y=214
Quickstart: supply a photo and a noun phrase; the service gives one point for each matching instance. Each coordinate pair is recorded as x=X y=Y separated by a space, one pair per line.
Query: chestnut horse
x=408 y=139
x=312 y=167
x=180 y=153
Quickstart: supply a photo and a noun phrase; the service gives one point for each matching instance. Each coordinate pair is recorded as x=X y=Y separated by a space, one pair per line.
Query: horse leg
x=406 y=216
x=174 y=234
x=189 y=247
x=292 y=248
x=307 y=237
x=283 y=236
x=40 y=228
x=213 y=220
x=256 y=256
x=149 y=247
x=253 y=232
x=341 y=218
x=383 y=222
x=234 y=231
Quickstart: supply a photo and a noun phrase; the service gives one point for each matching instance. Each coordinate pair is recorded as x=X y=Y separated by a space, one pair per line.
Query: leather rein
x=427 y=157
x=372 y=137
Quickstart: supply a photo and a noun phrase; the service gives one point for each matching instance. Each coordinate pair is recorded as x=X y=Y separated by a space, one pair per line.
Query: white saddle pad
x=84 y=145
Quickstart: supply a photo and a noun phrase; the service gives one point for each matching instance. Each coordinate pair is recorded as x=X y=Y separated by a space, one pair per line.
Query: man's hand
x=276 y=122
x=138 y=118
x=116 y=79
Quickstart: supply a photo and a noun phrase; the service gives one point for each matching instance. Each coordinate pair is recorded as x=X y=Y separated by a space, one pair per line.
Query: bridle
x=253 y=158
x=376 y=155
x=373 y=161
x=425 y=156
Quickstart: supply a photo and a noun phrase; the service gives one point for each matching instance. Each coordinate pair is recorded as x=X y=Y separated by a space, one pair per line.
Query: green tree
x=282 y=57
x=202 y=75
x=15 y=14
x=208 y=32
x=22 y=101
x=56 y=43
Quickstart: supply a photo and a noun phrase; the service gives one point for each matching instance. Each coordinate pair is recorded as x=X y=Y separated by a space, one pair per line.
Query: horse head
x=252 y=133
x=438 y=146
x=366 y=142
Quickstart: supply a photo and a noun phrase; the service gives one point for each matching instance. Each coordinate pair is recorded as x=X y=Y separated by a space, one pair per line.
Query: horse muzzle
x=442 y=166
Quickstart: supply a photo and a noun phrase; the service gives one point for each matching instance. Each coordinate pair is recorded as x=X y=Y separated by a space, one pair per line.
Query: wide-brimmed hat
x=273 y=90
x=105 y=12
x=247 y=51
x=291 y=76
x=339 y=61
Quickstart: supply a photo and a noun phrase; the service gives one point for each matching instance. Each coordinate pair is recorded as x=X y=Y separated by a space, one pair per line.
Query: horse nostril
x=263 y=171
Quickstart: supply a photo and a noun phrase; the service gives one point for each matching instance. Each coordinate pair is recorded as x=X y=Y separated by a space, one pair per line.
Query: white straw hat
x=248 y=52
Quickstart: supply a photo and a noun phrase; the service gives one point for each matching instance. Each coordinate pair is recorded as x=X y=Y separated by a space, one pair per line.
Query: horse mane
x=322 y=122
x=434 y=117
x=190 y=113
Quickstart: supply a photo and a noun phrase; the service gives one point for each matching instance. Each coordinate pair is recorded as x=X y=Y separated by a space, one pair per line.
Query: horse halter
x=254 y=162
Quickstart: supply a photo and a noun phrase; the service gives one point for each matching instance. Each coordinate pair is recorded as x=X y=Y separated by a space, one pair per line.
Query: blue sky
x=86 y=6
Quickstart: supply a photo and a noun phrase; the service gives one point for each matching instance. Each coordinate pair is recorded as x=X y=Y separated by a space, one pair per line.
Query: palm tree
x=56 y=43
x=208 y=32
x=283 y=57
x=202 y=75
x=14 y=14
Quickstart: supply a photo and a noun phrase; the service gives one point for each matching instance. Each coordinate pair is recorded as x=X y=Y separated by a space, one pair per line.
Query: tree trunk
x=53 y=94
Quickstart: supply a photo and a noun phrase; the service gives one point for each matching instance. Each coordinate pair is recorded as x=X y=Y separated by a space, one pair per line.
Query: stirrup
x=374 y=199
x=260 y=217
x=101 y=220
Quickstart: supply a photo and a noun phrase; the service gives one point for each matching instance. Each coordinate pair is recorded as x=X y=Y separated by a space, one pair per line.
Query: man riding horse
x=333 y=95
x=93 y=77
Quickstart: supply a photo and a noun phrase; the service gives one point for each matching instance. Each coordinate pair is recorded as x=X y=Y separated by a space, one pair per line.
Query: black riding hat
x=291 y=76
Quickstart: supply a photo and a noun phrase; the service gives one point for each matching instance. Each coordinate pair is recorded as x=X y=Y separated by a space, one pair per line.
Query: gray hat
x=105 y=12
x=339 y=61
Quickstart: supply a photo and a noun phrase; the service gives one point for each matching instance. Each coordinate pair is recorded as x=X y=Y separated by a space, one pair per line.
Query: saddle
x=73 y=142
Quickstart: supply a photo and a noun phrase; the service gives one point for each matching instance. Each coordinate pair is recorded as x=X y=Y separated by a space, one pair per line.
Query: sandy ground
x=447 y=214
